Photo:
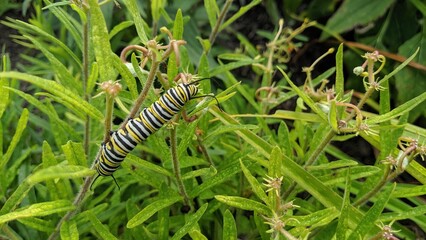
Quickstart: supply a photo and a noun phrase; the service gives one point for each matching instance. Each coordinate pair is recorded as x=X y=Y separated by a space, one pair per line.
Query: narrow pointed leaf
x=398 y=111
x=38 y=209
x=340 y=84
x=190 y=223
x=229 y=226
x=69 y=230
x=74 y=153
x=212 y=11
x=22 y=124
x=4 y=82
x=372 y=214
x=101 y=44
x=304 y=96
x=256 y=187
x=16 y=198
x=99 y=227
x=244 y=203
x=57 y=90
x=60 y=171
x=137 y=19
x=239 y=13
x=151 y=209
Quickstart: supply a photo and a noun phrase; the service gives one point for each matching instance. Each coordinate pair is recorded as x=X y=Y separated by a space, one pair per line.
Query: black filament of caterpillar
x=138 y=129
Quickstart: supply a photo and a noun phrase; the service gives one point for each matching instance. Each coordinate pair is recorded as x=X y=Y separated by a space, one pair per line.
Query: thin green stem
x=77 y=202
x=144 y=93
x=204 y=150
x=176 y=166
x=219 y=21
x=375 y=190
x=314 y=156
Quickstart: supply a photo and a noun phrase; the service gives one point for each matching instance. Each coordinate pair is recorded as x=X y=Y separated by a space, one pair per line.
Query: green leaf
x=200 y=172
x=73 y=27
x=212 y=11
x=230 y=66
x=38 y=209
x=229 y=226
x=57 y=90
x=43 y=107
x=94 y=74
x=16 y=198
x=190 y=222
x=119 y=27
x=315 y=219
x=138 y=162
x=64 y=76
x=245 y=204
x=357 y=172
x=417 y=171
x=387 y=142
x=137 y=19
x=101 y=45
x=156 y=6
x=48 y=159
x=259 y=144
x=332 y=116
x=38 y=224
x=69 y=230
x=333 y=165
x=173 y=64
x=304 y=96
x=196 y=235
x=274 y=171
x=224 y=173
x=400 y=67
x=342 y=225
x=151 y=209
x=355 y=12
x=99 y=227
x=126 y=76
x=410 y=82
x=231 y=128
x=4 y=82
x=409 y=191
x=291 y=115
x=74 y=153
x=340 y=80
x=22 y=124
x=239 y=13
x=396 y=112
x=59 y=171
x=54 y=40
x=256 y=187
x=407 y=214
x=372 y=215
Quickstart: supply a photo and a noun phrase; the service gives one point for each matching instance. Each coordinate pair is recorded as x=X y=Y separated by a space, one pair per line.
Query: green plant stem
x=314 y=156
x=176 y=166
x=77 y=203
x=375 y=190
x=204 y=151
x=144 y=93
x=219 y=21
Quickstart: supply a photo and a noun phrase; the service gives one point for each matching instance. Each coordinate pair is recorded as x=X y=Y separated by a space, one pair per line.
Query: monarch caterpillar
x=138 y=129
